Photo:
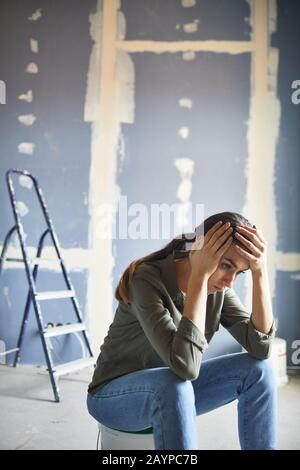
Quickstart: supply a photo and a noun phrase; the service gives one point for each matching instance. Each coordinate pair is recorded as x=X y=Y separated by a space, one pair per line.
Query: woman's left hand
x=257 y=246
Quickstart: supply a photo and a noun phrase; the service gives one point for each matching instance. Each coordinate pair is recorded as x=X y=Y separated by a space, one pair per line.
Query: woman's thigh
x=220 y=380
x=128 y=402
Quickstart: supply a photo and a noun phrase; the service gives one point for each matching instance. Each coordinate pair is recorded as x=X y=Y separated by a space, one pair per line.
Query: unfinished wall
x=164 y=102
x=44 y=50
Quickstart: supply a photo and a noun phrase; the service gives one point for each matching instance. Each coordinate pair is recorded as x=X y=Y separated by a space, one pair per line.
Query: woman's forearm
x=195 y=303
x=262 y=315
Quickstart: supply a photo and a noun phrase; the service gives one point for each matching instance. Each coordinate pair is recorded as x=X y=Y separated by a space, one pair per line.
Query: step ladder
x=31 y=268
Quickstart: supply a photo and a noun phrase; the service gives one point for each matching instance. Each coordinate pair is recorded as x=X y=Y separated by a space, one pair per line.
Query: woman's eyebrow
x=233 y=264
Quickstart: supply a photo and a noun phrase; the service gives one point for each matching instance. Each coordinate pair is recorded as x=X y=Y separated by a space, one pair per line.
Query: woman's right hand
x=207 y=251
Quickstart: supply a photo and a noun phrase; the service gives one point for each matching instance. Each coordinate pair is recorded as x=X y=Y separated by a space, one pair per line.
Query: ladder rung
x=55 y=294
x=9 y=351
x=33 y=260
x=63 y=330
x=72 y=366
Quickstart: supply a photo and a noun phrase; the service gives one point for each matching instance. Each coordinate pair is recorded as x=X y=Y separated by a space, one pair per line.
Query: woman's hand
x=257 y=246
x=207 y=251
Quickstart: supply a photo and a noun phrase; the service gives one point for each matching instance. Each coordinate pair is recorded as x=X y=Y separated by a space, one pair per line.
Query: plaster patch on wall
x=101 y=110
x=287 y=261
x=22 y=208
x=125 y=85
x=185 y=167
x=121 y=25
x=34 y=46
x=185 y=103
x=191 y=27
x=26 y=96
x=25 y=182
x=188 y=3
x=92 y=97
x=184 y=132
x=76 y=259
x=36 y=15
x=27 y=119
x=272 y=5
x=273 y=69
x=32 y=68
x=6 y=295
x=189 y=55
x=26 y=147
x=263 y=128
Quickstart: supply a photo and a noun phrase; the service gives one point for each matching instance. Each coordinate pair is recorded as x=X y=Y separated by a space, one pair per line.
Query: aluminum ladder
x=55 y=371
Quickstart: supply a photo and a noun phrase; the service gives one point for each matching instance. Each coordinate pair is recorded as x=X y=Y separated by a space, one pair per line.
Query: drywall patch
x=26 y=147
x=190 y=28
x=185 y=167
x=125 y=85
x=6 y=295
x=32 y=68
x=22 y=208
x=76 y=259
x=272 y=13
x=92 y=96
x=185 y=103
x=25 y=182
x=34 y=46
x=26 y=96
x=184 y=132
x=121 y=26
x=27 y=119
x=36 y=15
x=100 y=109
x=188 y=3
x=264 y=114
x=189 y=55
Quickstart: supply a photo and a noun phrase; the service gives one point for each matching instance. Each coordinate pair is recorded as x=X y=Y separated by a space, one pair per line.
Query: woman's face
x=230 y=266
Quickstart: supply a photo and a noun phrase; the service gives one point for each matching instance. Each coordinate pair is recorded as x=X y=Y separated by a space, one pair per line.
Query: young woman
x=150 y=371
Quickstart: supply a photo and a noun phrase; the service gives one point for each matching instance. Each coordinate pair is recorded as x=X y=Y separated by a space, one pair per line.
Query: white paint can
x=112 y=439
x=278 y=356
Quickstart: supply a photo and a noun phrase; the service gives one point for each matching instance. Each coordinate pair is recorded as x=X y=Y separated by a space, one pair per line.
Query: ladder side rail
x=32 y=290
x=56 y=244
x=28 y=302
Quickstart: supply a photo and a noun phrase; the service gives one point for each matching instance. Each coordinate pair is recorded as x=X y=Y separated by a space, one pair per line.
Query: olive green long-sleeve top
x=152 y=332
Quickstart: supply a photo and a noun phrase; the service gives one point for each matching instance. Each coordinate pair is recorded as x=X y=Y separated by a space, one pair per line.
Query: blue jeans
x=161 y=399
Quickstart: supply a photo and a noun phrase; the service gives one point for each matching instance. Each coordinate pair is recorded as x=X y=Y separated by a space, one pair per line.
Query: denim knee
x=176 y=389
x=264 y=372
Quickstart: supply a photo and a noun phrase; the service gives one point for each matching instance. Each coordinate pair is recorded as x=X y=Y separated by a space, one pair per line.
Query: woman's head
x=231 y=263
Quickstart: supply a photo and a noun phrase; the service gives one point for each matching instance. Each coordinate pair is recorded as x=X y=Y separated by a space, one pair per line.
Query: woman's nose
x=228 y=281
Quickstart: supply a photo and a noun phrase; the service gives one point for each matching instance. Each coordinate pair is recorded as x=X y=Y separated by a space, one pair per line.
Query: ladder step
x=9 y=351
x=64 y=329
x=58 y=294
x=72 y=366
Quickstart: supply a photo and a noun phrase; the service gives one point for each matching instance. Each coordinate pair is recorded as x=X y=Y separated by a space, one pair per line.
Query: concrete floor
x=30 y=420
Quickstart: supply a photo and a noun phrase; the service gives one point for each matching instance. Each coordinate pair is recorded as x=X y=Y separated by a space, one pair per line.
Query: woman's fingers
x=213 y=230
x=225 y=246
x=222 y=238
x=217 y=234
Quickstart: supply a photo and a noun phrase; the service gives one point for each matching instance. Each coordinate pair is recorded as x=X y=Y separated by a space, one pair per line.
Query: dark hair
x=180 y=247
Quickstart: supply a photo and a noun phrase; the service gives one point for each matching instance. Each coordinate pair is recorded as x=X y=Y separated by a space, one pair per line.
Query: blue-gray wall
x=61 y=158
x=287 y=188
x=218 y=84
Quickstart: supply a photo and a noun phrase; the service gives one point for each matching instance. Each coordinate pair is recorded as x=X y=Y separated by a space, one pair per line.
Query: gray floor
x=30 y=420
